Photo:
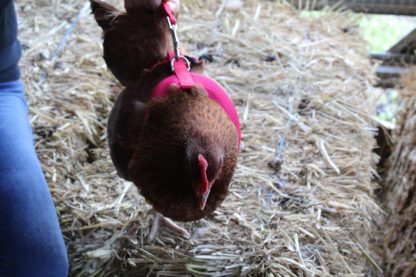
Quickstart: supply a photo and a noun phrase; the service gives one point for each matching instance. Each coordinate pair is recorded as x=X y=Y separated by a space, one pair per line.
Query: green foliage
x=383 y=31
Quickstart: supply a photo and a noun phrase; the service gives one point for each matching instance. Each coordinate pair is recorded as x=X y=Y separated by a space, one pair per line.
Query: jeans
x=31 y=242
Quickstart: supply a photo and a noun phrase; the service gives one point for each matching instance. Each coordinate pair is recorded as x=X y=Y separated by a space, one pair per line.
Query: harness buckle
x=172 y=63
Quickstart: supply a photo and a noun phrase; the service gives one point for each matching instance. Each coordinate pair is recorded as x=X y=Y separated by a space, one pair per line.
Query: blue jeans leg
x=31 y=242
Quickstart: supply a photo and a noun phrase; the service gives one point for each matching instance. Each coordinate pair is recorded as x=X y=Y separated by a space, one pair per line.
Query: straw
x=310 y=214
x=397 y=232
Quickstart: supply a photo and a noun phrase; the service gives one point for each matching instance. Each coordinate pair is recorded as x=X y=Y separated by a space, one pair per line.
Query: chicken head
x=186 y=155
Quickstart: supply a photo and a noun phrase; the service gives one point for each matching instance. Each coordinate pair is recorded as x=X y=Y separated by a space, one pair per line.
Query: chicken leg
x=160 y=219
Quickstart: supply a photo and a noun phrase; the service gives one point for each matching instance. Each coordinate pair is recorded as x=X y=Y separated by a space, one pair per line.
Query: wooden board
x=407 y=45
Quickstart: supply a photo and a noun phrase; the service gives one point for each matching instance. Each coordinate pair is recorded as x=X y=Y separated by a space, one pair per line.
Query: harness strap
x=213 y=90
x=168 y=11
x=181 y=69
x=180 y=66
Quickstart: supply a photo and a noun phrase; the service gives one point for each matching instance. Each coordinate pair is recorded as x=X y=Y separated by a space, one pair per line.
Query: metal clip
x=172 y=63
x=175 y=39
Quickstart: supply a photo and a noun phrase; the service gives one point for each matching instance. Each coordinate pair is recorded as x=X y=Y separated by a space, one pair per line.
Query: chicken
x=180 y=150
x=187 y=152
x=128 y=37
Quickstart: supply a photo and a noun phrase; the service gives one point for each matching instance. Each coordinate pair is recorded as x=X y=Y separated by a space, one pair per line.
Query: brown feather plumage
x=128 y=37
x=153 y=142
x=158 y=166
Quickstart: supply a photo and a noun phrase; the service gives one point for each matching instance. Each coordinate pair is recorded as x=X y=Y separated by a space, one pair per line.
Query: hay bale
x=301 y=200
x=399 y=237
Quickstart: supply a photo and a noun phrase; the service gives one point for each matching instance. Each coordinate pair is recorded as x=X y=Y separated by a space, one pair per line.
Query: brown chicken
x=134 y=40
x=180 y=150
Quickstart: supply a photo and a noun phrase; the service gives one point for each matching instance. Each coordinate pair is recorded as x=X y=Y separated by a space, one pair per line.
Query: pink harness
x=185 y=80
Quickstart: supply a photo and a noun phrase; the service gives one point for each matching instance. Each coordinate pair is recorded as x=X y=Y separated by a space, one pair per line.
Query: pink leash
x=168 y=11
x=184 y=79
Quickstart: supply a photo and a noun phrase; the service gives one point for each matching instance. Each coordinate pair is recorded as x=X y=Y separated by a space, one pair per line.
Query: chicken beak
x=203 y=200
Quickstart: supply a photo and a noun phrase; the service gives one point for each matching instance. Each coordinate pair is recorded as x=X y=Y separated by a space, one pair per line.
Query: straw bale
x=301 y=199
x=399 y=237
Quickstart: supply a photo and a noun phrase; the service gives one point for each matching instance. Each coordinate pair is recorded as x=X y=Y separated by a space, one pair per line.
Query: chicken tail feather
x=104 y=13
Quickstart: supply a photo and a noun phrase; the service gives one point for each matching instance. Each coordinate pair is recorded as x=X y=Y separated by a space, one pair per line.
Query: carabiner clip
x=176 y=43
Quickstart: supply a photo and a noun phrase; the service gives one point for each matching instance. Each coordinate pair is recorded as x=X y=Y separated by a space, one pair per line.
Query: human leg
x=31 y=242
